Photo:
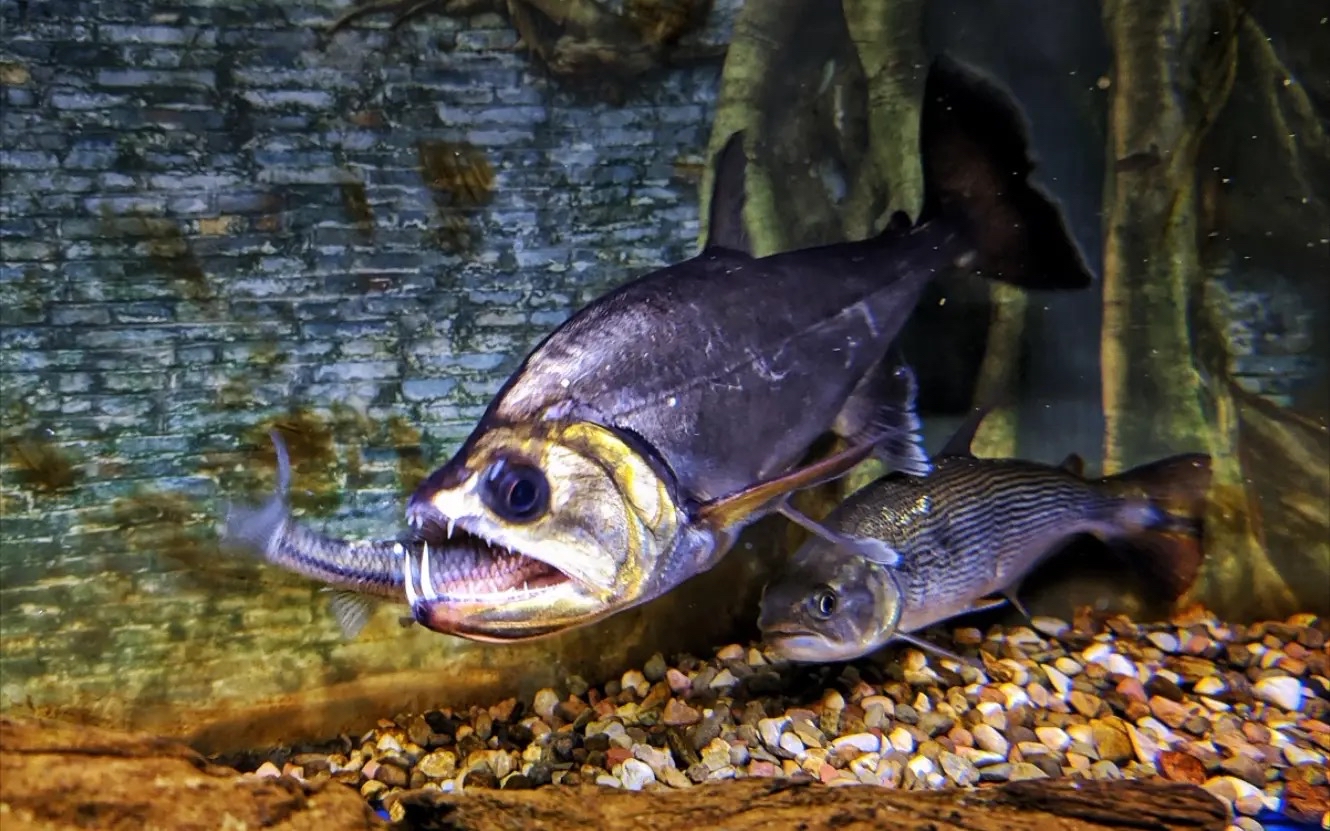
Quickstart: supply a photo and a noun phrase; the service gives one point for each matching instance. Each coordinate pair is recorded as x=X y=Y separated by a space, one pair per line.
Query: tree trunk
x=1173 y=67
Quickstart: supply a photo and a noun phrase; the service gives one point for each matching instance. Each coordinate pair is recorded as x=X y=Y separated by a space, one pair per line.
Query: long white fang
x=426 y=581
x=409 y=579
x=451 y=523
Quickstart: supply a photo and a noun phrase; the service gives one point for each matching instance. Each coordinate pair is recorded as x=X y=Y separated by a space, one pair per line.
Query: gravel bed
x=1243 y=711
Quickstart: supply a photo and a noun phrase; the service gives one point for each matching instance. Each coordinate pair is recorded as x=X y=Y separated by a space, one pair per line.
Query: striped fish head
x=829 y=605
x=572 y=520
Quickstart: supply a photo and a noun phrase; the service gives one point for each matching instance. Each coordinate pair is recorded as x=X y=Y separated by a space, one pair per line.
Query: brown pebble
x=679 y=714
x=1085 y=704
x=1306 y=803
x=1111 y=740
x=1181 y=767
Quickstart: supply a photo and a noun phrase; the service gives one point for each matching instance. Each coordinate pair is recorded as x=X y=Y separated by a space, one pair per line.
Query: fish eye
x=824 y=602
x=516 y=492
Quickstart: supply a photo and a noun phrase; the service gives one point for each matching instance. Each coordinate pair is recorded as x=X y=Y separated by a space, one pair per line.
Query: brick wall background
x=213 y=223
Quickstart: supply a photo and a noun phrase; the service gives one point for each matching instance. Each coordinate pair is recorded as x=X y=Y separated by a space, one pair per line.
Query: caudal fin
x=1171 y=540
x=976 y=165
x=257 y=528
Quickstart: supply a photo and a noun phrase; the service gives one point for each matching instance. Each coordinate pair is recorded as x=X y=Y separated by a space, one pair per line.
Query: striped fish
x=965 y=536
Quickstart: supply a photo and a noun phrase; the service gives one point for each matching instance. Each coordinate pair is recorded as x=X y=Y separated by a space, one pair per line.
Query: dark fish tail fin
x=976 y=164
x=1168 y=501
x=258 y=529
x=725 y=227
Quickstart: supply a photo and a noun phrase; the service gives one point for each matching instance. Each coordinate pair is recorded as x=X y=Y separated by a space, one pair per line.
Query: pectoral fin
x=768 y=495
x=870 y=548
x=940 y=651
x=882 y=410
x=352 y=610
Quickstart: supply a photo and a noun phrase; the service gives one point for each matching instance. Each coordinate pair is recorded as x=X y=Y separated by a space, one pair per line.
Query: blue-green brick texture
x=188 y=260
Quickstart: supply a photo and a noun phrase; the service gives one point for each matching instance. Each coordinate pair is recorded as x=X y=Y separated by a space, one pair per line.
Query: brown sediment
x=40 y=464
x=355 y=201
x=166 y=248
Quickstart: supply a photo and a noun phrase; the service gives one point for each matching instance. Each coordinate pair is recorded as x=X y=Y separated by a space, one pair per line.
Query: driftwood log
x=56 y=775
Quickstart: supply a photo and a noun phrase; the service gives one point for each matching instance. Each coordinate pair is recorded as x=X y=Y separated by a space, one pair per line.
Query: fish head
x=536 y=527
x=830 y=605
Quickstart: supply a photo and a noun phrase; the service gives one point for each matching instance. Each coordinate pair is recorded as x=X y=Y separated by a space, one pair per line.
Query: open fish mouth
x=457 y=566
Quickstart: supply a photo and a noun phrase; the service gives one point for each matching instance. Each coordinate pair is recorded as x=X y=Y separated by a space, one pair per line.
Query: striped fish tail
x=1164 y=512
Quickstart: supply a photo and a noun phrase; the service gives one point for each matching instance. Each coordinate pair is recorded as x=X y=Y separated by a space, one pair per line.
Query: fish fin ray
x=1011 y=595
x=975 y=149
x=883 y=410
x=352 y=610
x=725 y=225
x=1165 y=517
x=870 y=548
x=963 y=439
x=259 y=528
x=767 y=495
x=940 y=651
x=1073 y=464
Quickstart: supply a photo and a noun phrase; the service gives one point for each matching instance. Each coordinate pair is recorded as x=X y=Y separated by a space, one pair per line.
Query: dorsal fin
x=959 y=443
x=725 y=225
x=1073 y=464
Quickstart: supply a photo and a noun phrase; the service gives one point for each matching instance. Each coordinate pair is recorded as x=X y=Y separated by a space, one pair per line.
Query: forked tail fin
x=976 y=165
x=1171 y=540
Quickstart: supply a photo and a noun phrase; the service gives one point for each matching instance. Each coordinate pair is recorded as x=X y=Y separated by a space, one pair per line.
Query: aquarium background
x=215 y=221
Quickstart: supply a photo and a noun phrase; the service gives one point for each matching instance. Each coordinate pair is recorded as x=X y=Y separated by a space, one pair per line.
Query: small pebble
x=1281 y=691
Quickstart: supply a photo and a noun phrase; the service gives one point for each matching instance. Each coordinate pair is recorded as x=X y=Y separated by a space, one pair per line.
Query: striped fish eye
x=823 y=602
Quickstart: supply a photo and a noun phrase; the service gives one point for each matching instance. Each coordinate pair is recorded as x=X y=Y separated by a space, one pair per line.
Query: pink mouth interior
x=466 y=565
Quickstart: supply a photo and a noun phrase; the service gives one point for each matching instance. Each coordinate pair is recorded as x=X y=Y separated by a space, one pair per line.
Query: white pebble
x=723 y=680
x=1015 y=695
x=792 y=745
x=1164 y=641
x=1209 y=685
x=608 y=781
x=901 y=739
x=1281 y=691
x=388 y=743
x=1059 y=681
x=988 y=738
x=545 y=702
x=636 y=774
x=731 y=652
x=771 y=728
x=1067 y=666
x=635 y=682
x=922 y=766
x=862 y=742
x=1120 y=665
x=1302 y=756
x=981 y=758
x=1053 y=737
x=268 y=770
x=1050 y=626
x=1097 y=653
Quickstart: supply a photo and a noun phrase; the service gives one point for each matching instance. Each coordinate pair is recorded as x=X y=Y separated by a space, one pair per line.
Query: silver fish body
x=967 y=533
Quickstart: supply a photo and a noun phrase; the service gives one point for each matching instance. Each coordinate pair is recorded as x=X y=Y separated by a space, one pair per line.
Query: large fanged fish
x=966 y=535
x=638 y=439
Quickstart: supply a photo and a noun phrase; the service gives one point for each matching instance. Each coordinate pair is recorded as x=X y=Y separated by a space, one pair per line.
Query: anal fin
x=352 y=610
x=882 y=411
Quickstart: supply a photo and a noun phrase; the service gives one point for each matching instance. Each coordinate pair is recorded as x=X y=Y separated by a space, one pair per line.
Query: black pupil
x=522 y=495
x=516 y=492
x=826 y=603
